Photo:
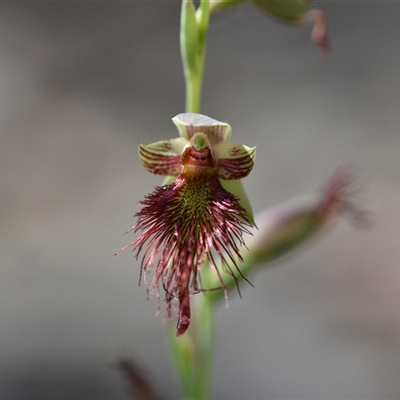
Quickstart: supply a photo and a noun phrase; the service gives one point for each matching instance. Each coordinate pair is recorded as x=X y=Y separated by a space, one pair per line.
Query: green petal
x=188 y=124
x=168 y=180
x=163 y=157
x=235 y=160
x=236 y=187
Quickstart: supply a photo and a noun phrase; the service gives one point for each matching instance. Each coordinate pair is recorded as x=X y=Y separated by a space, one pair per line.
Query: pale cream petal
x=188 y=124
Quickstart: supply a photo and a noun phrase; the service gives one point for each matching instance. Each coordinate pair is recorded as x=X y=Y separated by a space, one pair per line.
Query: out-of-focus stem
x=193 y=351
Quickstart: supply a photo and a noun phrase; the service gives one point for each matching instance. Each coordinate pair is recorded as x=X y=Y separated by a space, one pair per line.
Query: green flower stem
x=193 y=39
x=193 y=351
x=193 y=86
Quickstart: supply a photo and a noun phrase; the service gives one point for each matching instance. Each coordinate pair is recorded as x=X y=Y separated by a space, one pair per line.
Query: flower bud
x=299 y=12
x=286 y=226
x=296 y=12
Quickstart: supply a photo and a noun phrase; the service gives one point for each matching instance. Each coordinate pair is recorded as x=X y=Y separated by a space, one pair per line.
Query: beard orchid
x=197 y=218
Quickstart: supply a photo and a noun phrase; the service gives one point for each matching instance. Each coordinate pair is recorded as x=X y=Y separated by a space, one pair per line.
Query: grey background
x=81 y=84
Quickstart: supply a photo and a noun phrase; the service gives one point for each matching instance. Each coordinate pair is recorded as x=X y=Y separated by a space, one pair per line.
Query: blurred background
x=81 y=85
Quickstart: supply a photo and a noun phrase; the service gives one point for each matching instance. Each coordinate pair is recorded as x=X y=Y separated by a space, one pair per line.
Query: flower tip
x=125 y=247
x=184 y=315
x=339 y=196
x=335 y=191
x=319 y=34
x=182 y=326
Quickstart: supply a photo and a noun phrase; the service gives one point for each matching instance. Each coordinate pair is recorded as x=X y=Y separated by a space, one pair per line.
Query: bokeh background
x=81 y=84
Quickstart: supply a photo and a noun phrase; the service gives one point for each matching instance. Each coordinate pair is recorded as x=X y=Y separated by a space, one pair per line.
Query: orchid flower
x=198 y=215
